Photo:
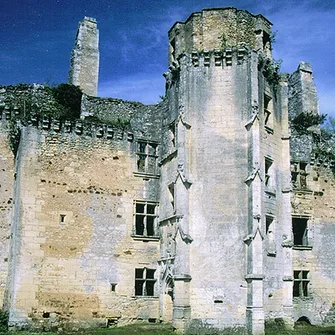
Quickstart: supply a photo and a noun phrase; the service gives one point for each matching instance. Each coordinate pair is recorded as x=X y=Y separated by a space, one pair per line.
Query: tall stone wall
x=7 y=175
x=25 y=100
x=75 y=218
x=312 y=203
x=315 y=203
x=184 y=211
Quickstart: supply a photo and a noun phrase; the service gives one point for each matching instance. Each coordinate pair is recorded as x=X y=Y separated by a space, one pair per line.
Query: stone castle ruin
x=205 y=210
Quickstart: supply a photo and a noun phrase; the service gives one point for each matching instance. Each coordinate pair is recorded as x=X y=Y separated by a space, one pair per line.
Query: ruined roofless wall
x=84 y=68
x=80 y=172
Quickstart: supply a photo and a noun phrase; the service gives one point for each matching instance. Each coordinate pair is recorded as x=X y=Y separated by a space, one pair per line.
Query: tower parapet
x=84 y=69
x=220 y=29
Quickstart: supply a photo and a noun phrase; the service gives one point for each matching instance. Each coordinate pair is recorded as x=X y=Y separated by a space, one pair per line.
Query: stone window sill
x=302 y=247
x=145 y=238
x=146 y=175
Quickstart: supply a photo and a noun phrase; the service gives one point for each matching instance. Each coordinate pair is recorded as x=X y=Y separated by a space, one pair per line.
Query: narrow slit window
x=171 y=188
x=268 y=112
x=172 y=133
x=268 y=171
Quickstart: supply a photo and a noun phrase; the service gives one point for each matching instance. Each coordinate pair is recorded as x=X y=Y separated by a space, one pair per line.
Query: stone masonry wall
x=218 y=29
x=6 y=206
x=76 y=222
x=26 y=99
x=316 y=202
x=84 y=69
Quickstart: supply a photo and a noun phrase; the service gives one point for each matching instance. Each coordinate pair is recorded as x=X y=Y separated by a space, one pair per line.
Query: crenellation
x=207 y=210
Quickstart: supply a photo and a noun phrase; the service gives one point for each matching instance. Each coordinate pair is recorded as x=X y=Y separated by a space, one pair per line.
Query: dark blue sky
x=37 y=38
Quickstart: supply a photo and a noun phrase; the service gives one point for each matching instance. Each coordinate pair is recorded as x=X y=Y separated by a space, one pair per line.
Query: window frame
x=301 y=235
x=299 y=175
x=145 y=156
x=145 y=214
x=145 y=283
x=301 y=284
x=269 y=175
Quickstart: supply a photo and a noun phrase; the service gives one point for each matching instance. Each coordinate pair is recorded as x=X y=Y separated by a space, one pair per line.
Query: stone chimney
x=84 y=68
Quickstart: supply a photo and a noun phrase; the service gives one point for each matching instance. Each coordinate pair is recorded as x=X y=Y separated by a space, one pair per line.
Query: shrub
x=69 y=96
x=3 y=321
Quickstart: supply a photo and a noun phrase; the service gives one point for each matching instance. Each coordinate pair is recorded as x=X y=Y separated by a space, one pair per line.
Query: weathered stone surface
x=84 y=69
x=200 y=210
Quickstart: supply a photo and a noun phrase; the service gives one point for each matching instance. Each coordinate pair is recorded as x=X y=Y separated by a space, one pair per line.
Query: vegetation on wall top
x=323 y=138
x=68 y=96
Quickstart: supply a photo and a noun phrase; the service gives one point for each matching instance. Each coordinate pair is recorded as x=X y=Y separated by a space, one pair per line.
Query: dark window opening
x=146 y=216
x=300 y=231
x=139 y=225
x=172 y=195
x=172 y=132
x=111 y=322
x=140 y=208
x=62 y=218
x=173 y=48
x=145 y=282
x=301 y=283
x=46 y=315
x=113 y=287
x=266 y=40
x=269 y=228
x=150 y=226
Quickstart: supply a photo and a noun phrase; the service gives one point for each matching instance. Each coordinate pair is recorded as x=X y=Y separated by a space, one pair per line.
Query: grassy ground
x=159 y=329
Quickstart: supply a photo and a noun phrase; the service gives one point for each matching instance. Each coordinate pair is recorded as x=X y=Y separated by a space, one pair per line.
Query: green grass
x=165 y=329
x=303 y=330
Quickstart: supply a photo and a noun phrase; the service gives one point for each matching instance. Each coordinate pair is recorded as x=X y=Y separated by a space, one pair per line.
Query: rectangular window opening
x=172 y=134
x=173 y=48
x=301 y=283
x=145 y=218
x=145 y=282
x=300 y=231
x=269 y=224
x=146 y=157
x=299 y=174
x=62 y=218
